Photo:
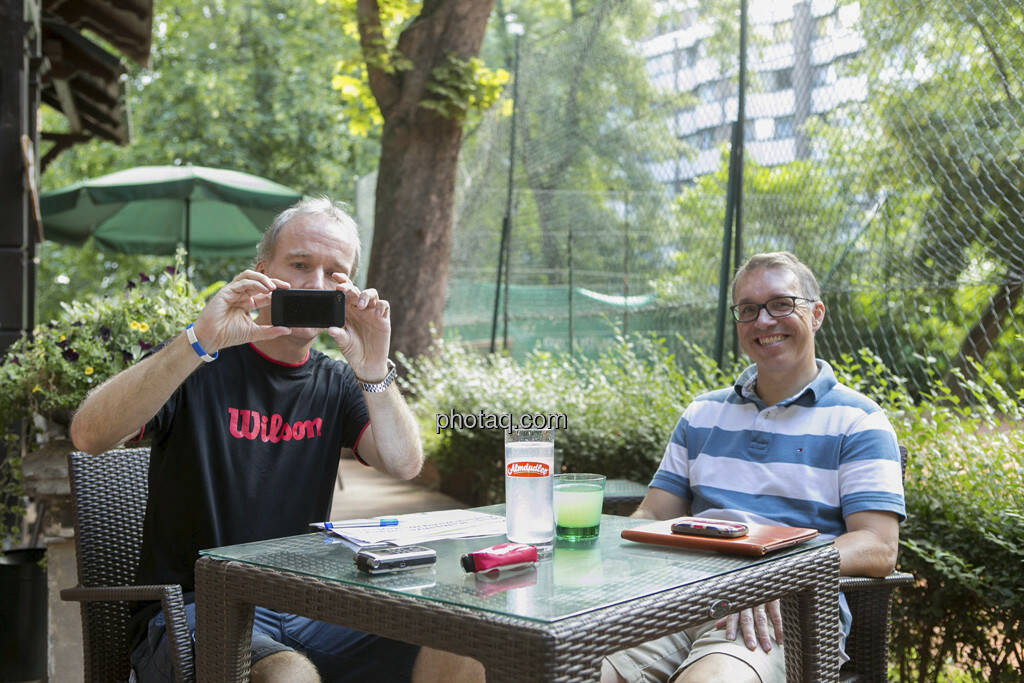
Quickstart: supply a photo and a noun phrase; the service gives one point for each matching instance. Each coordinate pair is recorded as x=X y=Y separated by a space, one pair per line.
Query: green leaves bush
x=46 y=375
x=964 y=534
x=619 y=408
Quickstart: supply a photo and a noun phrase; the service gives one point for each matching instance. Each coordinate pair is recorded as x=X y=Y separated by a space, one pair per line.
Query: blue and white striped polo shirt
x=807 y=461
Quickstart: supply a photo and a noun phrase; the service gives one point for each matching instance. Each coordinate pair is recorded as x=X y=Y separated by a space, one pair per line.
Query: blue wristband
x=191 y=334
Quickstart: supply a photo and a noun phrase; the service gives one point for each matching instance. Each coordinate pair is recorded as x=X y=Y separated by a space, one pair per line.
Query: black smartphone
x=396 y=559
x=307 y=308
x=696 y=526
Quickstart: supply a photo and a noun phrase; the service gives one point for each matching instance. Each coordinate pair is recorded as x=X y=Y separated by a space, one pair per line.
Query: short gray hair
x=310 y=206
x=781 y=260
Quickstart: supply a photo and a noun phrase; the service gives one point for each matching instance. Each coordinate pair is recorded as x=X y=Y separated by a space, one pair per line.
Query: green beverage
x=578 y=501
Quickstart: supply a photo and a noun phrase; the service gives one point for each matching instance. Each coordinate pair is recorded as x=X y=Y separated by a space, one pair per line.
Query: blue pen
x=356 y=523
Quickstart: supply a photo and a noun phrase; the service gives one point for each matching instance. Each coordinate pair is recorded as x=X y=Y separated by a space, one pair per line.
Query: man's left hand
x=756 y=625
x=366 y=338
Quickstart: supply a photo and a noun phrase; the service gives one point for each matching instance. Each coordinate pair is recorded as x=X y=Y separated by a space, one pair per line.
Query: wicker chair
x=869 y=600
x=109 y=493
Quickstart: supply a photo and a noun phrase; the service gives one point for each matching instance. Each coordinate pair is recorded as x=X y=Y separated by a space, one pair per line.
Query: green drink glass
x=578 y=501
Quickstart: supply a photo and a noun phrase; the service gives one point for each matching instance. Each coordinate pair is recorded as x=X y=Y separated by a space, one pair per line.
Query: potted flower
x=45 y=376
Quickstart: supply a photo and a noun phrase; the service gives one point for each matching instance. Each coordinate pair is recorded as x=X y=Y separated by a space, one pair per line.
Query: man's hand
x=755 y=624
x=226 y=319
x=366 y=338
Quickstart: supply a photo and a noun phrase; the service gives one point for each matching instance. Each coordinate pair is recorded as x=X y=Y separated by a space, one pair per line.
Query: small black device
x=697 y=526
x=307 y=308
x=396 y=559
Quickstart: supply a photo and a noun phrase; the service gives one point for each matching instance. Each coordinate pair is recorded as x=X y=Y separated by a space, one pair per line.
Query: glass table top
x=569 y=580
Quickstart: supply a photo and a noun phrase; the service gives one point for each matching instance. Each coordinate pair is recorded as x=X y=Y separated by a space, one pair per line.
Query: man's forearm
x=117 y=409
x=866 y=553
x=395 y=434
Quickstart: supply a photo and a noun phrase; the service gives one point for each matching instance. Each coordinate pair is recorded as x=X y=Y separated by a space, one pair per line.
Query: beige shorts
x=662 y=659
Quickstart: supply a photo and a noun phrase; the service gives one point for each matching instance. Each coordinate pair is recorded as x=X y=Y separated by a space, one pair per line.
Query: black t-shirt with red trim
x=245 y=449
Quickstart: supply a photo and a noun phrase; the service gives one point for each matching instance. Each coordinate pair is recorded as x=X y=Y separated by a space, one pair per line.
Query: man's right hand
x=226 y=319
x=758 y=625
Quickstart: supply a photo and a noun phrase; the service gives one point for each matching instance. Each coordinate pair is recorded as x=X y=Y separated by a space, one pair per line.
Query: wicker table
x=551 y=623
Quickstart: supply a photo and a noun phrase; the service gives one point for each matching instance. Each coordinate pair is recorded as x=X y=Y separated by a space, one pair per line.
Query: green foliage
x=239 y=86
x=46 y=375
x=964 y=534
x=620 y=407
x=936 y=144
x=459 y=89
x=590 y=124
x=461 y=86
x=65 y=272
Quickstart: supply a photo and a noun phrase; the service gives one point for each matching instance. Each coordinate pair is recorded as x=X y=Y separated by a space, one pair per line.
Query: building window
x=660 y=64
x=824 y=26
x=784 y=127
x=688 y=57
x=705 y=139
x=706 y=92
x=780 y=79
x=723 y=133
x=782 y=32
x=823 y=75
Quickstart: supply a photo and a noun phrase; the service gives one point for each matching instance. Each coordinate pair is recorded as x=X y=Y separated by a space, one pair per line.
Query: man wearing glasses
x=786 y=445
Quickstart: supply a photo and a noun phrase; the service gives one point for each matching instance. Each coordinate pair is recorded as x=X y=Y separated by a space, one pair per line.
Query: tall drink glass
x=529 y=466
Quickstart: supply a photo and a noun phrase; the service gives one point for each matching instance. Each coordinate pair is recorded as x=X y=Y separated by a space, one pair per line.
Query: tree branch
x=383 y=85
x=997 y=58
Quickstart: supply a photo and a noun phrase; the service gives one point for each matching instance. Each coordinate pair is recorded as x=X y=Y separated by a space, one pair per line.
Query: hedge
x=964 y=535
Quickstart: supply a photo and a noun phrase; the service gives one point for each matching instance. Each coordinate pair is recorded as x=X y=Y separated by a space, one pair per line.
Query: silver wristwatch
x=378 y=387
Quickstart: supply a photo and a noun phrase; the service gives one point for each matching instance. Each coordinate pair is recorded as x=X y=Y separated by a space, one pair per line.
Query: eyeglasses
x=779 y=307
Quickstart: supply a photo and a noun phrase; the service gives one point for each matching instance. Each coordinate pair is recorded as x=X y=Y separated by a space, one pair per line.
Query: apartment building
x=795 y=58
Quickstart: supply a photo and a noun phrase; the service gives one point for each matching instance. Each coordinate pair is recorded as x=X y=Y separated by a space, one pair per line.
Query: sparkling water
x=529 y=466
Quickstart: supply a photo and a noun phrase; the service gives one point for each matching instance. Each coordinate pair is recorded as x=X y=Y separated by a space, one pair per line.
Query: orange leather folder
x=760 y=539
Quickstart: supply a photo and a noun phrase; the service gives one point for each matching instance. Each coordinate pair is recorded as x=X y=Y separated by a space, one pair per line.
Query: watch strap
x=381 y=386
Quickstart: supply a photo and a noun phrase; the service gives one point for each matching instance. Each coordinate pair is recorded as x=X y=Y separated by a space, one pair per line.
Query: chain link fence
x=882 y=143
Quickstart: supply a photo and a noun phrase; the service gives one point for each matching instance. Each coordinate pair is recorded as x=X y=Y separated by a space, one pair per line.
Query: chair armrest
x=107 y=593
x=849 y=584
x=172 y=604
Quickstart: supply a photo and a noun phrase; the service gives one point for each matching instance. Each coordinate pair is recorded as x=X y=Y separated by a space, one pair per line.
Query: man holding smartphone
x=786 y=445
x=247 y=423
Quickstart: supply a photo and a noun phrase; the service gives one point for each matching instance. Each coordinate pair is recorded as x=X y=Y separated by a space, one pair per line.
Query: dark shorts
x=339 y=653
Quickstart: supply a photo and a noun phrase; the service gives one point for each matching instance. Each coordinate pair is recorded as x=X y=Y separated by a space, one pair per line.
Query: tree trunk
x=982 y=336
x=412 y=225
x=419 y=153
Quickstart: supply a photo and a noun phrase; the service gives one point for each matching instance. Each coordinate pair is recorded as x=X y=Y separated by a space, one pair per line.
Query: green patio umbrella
x=153 y=209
